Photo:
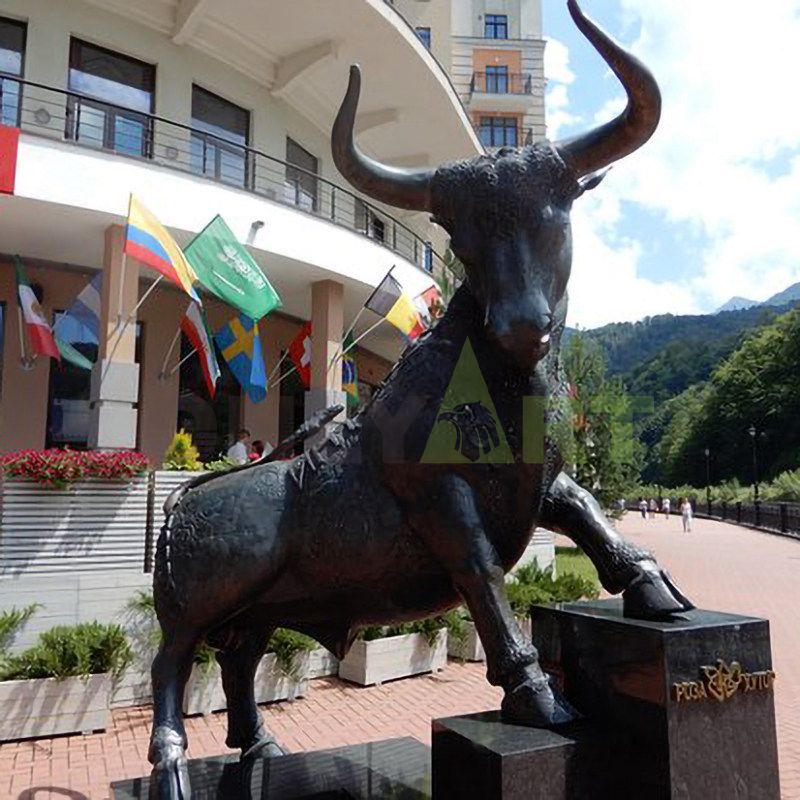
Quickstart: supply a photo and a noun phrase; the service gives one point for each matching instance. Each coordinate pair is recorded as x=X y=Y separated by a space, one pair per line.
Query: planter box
x=470 y=649
x=133 y=688
x=47 y=707
x=204 y=692
x=322 y=663
x=94 y=526
x=394 y=657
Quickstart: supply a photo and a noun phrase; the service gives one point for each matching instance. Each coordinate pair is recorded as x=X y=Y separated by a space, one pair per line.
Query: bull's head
x=508 y=213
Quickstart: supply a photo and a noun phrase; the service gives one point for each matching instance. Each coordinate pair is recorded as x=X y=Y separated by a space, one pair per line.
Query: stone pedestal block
x=687 y=705
x=677 y=710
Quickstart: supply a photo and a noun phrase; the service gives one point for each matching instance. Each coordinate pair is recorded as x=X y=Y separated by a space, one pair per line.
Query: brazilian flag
x=350 y=372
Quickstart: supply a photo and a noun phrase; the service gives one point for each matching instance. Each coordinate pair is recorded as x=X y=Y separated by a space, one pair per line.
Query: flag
x=148 y=241
x=300 y=353
x=429 y=305
x=40 y=335
x=85 y=308
x=241 y=347
x=72 y=354
x=227 y=270
x=84 y=312
x=391 y=302
x=195 y=328
x=350 y=371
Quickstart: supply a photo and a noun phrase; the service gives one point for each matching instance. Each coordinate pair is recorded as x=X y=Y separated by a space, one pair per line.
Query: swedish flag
x=240 y=345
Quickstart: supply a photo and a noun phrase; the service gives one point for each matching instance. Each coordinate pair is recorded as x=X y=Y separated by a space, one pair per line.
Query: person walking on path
x=643 y=507
x=653 y=507
x=686 y=515
x=665 y=507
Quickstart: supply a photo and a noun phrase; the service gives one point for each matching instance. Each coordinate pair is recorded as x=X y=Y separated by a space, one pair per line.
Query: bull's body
x=370 y=527
x=329 y=541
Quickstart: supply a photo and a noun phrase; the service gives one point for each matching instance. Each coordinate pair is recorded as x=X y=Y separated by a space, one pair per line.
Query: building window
x=220 y=136
x=497 y=79
x=428 y=257
x=425 y=36
x=117 y=97
x=70 y=386
x=498 y=131
x=495 y=26
x=12 y=61
x=301 y=186
x=369 y=222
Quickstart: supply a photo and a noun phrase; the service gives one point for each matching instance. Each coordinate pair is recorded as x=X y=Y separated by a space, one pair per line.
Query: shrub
x=181 y=454
x=12 y=621
x=428 y=628
x=287 y=644
x=57 y=469
x=531 y=585
x=221 y=464
x=71 y=651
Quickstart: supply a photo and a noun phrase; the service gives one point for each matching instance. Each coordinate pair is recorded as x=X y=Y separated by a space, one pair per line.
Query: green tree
x=606 y=457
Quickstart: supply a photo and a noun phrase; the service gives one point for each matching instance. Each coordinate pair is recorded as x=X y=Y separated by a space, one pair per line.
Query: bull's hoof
x=537 y=704
x=265 y=747
x=169 y=779
x=653 y=595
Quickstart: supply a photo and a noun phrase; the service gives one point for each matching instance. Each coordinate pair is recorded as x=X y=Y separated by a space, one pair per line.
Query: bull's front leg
x=451 y=527
x=648 y=592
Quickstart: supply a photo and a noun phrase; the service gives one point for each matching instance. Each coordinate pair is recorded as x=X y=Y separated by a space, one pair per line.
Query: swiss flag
x=300 y=353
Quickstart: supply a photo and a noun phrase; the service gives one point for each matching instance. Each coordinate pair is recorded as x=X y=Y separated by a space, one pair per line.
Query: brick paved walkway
x=720 y=566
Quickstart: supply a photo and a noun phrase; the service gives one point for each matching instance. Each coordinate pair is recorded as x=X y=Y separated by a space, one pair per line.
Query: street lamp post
x=754 y=436
x=708 y=480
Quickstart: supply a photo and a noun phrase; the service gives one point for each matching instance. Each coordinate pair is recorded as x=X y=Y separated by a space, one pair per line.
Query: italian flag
x=40 y=336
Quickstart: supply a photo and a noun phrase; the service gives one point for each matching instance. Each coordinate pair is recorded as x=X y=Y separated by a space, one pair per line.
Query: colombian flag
x=148 y=241
x=391 y=302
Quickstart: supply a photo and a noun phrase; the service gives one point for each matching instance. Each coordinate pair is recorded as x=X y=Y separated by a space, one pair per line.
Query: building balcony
x=501 y=91
x=94 y=126
x=493 y=137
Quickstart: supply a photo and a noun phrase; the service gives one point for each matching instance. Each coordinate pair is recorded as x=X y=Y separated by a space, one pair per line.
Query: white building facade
x=202 y=108
x=494 y=52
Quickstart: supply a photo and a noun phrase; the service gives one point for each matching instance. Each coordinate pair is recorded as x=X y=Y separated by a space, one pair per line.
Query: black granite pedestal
x=395 y=768
x=679 y=710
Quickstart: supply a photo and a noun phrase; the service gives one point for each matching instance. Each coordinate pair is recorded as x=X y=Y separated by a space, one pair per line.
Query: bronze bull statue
x=358 y=530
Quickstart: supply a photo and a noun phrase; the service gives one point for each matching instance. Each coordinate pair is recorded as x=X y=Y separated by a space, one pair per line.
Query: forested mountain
x=710 y=379
x=736 y=304
x=628 y=345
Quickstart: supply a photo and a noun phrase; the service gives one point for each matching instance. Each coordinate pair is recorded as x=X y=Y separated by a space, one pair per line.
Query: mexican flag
x=39 y=334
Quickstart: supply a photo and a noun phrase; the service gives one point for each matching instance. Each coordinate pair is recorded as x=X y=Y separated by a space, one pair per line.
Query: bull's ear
x=593 y=181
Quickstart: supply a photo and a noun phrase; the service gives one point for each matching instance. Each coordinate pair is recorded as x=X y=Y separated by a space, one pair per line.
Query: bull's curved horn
x=634 y=126
x=405 y=188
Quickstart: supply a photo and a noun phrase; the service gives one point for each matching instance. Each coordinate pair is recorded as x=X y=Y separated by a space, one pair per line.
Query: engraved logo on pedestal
x=721 y=682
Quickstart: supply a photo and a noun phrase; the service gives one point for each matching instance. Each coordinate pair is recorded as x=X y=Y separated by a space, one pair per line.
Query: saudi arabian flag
x=227 y=270
x=38 y=329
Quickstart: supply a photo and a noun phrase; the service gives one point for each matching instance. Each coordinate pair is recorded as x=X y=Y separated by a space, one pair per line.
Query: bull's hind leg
x=169 y=779
x=239 y=660
x=648 y=592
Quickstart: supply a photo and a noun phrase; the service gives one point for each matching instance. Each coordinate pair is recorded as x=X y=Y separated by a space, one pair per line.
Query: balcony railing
x=500 y=83
x=97 y=125
x=494 y=137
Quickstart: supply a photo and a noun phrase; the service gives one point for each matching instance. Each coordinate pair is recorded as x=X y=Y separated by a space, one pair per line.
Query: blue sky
x=709 y=208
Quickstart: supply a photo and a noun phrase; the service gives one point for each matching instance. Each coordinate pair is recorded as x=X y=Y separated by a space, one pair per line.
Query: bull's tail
x=311 y=426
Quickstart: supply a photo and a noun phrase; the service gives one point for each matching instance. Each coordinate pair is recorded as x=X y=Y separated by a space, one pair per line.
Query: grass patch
x=575 y=561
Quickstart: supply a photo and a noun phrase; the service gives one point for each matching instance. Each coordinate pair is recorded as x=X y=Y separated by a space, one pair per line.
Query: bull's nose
x=526 y=343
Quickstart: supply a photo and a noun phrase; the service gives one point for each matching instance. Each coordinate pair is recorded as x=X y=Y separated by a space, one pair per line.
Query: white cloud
x=559 y=77
x=727 y=72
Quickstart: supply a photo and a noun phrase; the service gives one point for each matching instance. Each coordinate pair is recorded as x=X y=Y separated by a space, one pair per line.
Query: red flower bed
x=59 y=468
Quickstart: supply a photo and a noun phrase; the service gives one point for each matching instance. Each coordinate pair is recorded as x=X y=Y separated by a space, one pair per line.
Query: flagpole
x=283 y=377
x=178 y=365
x=175 y=338
x=26 y=364
x=355 y=342
x=128 y=322
x=278 y=365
